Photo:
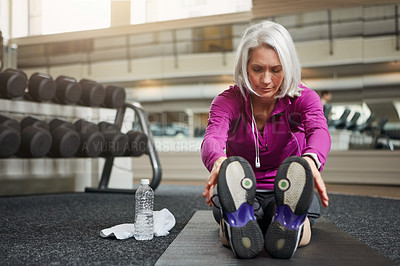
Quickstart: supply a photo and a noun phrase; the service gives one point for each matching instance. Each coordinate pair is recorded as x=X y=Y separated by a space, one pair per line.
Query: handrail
x=32 y=53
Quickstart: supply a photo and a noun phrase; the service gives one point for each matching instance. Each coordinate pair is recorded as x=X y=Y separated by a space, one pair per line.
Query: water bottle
x=144 y=223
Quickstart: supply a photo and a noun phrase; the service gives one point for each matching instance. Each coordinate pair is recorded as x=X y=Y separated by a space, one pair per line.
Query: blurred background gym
x=171 y=58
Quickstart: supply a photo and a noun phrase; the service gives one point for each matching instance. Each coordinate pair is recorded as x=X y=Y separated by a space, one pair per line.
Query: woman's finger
x=205 y=192
x=320 y=185
x=210 y=194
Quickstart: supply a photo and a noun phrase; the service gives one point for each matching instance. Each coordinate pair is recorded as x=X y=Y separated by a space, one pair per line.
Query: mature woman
x=266 y=142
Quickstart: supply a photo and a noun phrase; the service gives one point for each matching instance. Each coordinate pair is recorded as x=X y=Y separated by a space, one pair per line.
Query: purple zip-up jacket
x=296 y=126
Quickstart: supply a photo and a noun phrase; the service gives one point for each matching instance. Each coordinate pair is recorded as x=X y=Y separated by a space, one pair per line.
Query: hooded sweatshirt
x=296 y=126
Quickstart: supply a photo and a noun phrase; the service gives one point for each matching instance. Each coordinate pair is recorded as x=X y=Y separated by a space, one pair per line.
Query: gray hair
x=276 y=36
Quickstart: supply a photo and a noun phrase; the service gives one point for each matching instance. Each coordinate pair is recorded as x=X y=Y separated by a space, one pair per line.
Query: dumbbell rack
x=154 y=160
x=9 y=106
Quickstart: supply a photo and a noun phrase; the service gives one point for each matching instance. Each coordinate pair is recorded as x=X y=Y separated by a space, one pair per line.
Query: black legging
x=265 y=213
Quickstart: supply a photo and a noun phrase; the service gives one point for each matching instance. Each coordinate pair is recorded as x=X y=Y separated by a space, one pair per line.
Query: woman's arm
x=318 y=140
x=223 y=111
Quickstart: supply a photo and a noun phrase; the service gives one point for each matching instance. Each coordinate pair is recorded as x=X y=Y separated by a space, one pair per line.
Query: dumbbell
x=10 y=138
x=115 y=96
x=41 y=87
x=116 y=142
x=68 y=90
x=36 y=139
x=12 y=83
x=66 y=140
x=92 y=93
x=137 y=144
x=92 y=140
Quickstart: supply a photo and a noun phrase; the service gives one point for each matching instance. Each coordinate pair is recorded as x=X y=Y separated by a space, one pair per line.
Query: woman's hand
x=318 y=182
x=212 y=180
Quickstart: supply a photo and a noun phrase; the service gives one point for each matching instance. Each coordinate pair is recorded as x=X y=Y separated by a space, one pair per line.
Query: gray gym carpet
x=64 y=229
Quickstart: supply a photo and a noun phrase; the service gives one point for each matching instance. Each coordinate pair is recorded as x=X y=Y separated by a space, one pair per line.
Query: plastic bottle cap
x=144 y=181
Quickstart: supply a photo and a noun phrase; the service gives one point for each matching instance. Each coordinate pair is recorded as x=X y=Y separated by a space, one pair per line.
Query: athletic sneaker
x=293 y=188
x=236 y=192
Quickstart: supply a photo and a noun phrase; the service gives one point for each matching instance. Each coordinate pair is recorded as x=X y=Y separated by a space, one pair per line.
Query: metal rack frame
x=151 y=151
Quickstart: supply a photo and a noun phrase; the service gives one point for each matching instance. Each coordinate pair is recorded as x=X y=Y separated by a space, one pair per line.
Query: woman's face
x=265 y=71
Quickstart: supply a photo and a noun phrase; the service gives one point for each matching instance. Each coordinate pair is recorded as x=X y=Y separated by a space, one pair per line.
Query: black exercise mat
x=199 y=244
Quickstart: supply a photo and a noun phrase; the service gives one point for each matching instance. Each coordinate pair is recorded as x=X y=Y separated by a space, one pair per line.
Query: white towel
x=164 y=221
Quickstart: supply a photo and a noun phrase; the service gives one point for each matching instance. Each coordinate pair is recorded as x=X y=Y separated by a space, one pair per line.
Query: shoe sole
x=293 y=188
x=236 y=191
